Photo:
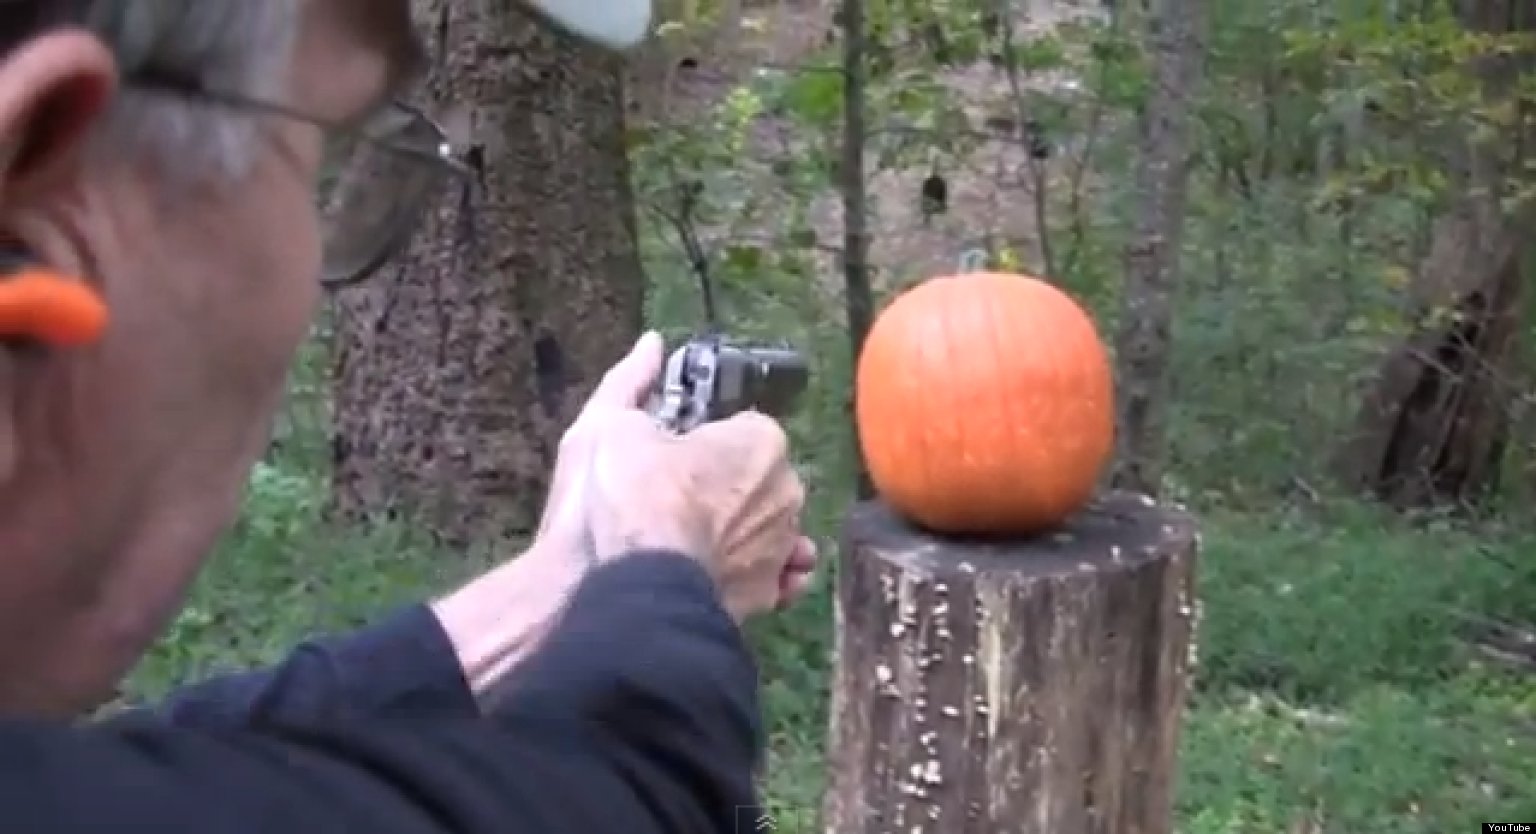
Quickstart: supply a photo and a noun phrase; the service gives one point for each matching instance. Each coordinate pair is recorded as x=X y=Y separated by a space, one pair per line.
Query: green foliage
x=1389 y=761
x=283 y=576
x=1315 y=611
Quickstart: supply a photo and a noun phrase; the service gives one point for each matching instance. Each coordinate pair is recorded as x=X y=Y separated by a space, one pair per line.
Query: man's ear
x=52 y=90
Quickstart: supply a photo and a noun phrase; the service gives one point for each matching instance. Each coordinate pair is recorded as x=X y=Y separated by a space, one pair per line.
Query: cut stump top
x=1116 y=531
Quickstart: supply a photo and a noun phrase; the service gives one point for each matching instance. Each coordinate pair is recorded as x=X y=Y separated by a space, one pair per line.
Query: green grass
x=1331 y=687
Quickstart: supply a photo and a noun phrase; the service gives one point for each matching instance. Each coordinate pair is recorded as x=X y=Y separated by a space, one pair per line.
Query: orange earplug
x=40 y=305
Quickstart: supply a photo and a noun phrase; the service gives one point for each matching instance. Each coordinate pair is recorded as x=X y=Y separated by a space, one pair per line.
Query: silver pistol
x=714 y=377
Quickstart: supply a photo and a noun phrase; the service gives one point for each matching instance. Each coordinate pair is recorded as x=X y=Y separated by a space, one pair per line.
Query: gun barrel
x=779 y=376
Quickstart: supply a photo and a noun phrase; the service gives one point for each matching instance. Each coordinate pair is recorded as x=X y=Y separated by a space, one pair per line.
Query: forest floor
x=1337 y=692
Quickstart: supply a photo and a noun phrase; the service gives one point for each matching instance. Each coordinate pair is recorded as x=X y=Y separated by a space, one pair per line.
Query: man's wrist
x=501 y=618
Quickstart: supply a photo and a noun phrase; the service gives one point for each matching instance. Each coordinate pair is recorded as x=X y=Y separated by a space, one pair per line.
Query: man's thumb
x=629 y=383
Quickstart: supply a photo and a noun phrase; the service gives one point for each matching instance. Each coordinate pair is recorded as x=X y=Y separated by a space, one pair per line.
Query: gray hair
x=234 y=47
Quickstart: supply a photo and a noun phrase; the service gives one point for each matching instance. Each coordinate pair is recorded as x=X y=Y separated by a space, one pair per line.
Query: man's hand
x=723 y=494
x=624 y=388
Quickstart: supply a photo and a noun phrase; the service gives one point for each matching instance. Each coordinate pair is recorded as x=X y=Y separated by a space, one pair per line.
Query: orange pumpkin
x=985 y=404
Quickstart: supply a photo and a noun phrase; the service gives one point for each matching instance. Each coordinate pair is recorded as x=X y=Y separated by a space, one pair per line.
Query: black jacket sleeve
x=404 y=663
x=638 y=716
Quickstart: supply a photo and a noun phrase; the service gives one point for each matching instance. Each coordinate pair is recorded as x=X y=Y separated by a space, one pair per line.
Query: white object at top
x=617 y=24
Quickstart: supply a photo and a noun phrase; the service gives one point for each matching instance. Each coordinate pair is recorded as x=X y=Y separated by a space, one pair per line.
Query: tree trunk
x=458 y=367
x=1143 y=343
x=858 y=292
x=1435 y=420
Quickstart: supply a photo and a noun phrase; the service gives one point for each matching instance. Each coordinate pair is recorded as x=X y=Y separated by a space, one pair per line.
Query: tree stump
x=1011 y=686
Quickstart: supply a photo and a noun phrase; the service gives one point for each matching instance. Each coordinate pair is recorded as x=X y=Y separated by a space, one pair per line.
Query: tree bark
x=458 y=367
x=1143 y=343
x=858 y=292
x=1033 y=686
x=1436 y=417
x=1434 y=422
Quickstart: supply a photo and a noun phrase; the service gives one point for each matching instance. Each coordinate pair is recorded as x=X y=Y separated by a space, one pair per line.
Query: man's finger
x=804 y=557
x=750 y=433
x=628 y=383
x=798 y=574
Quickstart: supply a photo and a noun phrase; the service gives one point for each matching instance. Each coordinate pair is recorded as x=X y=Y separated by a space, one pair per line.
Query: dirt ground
x=991 y=194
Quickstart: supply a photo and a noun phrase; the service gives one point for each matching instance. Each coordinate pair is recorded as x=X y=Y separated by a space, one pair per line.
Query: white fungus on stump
x=1032 y=686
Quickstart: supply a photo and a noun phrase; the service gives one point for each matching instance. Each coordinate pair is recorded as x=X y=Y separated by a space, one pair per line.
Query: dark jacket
x=638 y=715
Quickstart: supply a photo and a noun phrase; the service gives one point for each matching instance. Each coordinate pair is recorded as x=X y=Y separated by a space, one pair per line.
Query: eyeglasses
x=383 y=175
x=378 y=177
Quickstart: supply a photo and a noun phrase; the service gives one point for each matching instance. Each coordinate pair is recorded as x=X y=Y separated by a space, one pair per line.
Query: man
x=163 y=153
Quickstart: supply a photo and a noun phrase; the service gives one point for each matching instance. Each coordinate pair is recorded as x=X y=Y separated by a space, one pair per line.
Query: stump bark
x=1024 y=686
